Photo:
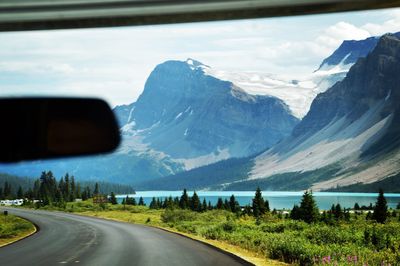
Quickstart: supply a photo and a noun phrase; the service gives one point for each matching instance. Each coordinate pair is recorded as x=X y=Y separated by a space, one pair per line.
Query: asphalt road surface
x=71 y=239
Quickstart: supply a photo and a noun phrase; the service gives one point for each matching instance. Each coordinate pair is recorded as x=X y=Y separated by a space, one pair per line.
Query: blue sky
x=114 y=63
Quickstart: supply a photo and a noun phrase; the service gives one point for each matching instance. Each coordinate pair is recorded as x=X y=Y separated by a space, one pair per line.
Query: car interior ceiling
x=17 y=15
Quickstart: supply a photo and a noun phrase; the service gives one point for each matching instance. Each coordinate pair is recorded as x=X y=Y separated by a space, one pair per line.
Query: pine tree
x=7 y=190
x=184 y=201
x=132 y=201
x=356 y=206
x=266 y=204
x=72 y=193
x=226 y=205
x=96 y=190
x=380 y=211
x=158 y=203
x=141 y=202
x=20 y=193
x=67 y=187
x=153 y=203
x=338 y=212
x=258 y=203
x=233 y=204
x=308 y=208
x=84 y=195
x=220 y=204
x=204 y=205
x=195 y=202
x=113 y=199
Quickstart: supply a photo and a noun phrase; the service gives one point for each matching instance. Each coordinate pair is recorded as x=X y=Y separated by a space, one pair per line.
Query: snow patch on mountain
x=297 y=94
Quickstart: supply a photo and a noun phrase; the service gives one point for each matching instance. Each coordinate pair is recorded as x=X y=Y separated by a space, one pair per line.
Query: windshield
x=278 y=105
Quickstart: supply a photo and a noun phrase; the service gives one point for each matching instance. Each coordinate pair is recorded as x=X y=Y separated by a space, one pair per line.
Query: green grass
x=355 y=242
x=13 y=228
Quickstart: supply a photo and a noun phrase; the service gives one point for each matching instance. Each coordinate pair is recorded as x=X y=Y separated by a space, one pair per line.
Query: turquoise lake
x=277 y=199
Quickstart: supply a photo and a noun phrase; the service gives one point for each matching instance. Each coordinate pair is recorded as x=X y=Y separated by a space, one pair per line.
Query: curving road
x=71 y=239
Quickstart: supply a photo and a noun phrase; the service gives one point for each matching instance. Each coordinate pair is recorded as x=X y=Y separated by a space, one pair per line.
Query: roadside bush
x=177 y=215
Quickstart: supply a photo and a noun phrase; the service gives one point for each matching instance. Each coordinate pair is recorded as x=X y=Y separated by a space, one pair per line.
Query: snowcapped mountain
x=299 y=94
x=183 y=119
x=196 y=119
x=351 y=135
x=351 y=129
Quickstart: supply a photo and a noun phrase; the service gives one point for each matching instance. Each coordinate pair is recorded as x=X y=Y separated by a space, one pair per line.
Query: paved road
x=70 y=239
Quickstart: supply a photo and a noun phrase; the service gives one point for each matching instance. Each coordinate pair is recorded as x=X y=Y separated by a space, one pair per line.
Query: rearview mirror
x=37 y=128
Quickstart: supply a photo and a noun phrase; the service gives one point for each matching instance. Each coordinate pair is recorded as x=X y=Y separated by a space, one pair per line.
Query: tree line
x=259 y=205
x=307 y=211
x=48 y=190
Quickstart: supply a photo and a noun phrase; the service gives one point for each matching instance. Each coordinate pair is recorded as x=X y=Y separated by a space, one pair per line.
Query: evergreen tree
x=226 y=205
x=153 y=203
x=184 y=201
x=20 y=193
x=7 y=190
x=61 y=187
x=204 y=205
x=165 y=203
x=308 y=208
x=67 y=187
x=1 y=193
x=132 y=201
x=72 y=193
x=113 y=199
x=233 y=204
x=220 y=204
x=338 y=212
x=258 y=203
x=176 y=201
x=96 y=190
x=195 y=202
x=266 y=204
x=209 y=207
x=78 y=190
x=398 y=206
x=141 y=202
x=158 y=203
x=169 y=203
x=356 y=206
x=84 y=195
x=380 y=211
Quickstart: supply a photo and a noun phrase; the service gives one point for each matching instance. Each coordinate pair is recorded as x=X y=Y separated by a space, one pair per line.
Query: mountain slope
x=197 y=119
x=344 y=126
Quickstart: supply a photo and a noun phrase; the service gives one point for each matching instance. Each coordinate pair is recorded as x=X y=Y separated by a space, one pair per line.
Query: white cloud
x=335 y=34
x=391 y=25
